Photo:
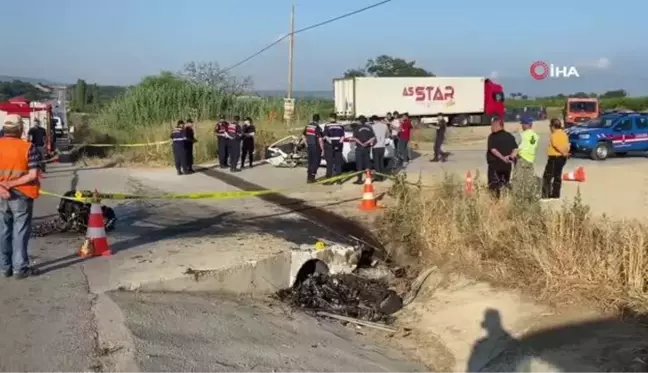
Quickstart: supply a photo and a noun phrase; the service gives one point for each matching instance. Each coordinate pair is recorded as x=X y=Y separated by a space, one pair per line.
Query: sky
x=118 y=42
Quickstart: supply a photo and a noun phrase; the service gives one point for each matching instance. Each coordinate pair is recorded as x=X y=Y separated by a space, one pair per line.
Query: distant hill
x=31 y=91
x=9 y=78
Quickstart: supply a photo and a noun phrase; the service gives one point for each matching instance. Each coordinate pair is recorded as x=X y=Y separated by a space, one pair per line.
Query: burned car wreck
x=75 y=214
x=288 y=152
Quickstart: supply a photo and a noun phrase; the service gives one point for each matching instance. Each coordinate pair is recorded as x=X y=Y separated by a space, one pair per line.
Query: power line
x=302 y=30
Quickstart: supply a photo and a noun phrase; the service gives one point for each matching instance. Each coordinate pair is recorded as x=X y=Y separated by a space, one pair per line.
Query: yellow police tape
x=91 y=196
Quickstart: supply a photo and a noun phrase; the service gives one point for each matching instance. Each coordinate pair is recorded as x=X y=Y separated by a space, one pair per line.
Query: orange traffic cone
x=578 y=175
x=469 y=183
x=96 y=235
x=368 y=199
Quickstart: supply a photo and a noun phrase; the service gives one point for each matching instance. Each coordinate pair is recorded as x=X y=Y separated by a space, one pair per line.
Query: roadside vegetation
x=149 y=111
x=146 y=113
x=563 y=256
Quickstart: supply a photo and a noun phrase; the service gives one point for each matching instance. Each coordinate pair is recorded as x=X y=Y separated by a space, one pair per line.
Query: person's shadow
x=488 y=348
x=602 y=345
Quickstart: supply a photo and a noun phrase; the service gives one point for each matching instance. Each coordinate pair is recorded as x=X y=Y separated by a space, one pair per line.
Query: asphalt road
x=47 y=321
x=202 y=332
x=63 y=320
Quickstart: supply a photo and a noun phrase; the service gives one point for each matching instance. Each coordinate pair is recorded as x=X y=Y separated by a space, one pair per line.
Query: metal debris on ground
x=72 y=217
x=346 y=295
x=48 y=227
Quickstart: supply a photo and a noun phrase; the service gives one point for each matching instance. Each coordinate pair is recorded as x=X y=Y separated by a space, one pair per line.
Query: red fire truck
x=29 y=111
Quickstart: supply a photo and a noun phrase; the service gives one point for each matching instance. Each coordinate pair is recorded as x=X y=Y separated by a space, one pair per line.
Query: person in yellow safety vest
x=524 y=169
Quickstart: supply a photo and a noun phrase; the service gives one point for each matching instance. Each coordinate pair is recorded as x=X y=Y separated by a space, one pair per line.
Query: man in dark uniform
x=439 y=154
x=221 y=135
x=248 y=141
x=333 y=137
x=234 y=133
x=313 y=138
x=38 y=137
x=364 y=137
x=178 y=140
x=189 y=145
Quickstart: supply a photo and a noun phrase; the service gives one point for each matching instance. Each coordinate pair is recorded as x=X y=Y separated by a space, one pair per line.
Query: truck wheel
x=601 y=151
x=460 y=121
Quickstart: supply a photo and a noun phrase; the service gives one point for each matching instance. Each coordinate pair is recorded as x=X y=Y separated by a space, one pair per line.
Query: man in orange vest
x=19 y=187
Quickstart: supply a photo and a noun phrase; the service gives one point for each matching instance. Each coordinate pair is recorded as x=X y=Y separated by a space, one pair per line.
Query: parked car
x=291 y=152
x=615 y=133
x=535 y=112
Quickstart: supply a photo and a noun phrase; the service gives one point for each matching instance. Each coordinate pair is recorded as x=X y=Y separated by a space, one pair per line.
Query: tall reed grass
x=148 y=112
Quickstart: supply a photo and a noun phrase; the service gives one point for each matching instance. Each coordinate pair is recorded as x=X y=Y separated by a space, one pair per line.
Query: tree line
x=91 y=98
x=9 y=90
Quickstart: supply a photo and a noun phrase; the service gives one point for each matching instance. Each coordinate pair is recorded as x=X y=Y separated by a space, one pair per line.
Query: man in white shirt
x=395 y=126
x=381 y=131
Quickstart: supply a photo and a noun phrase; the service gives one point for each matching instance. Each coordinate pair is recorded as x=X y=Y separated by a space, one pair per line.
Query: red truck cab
x=493 y=99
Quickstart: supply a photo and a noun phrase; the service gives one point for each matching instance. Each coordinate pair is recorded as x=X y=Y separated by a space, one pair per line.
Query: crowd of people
x=370 y=136
x=235 y=143
x=504 y=154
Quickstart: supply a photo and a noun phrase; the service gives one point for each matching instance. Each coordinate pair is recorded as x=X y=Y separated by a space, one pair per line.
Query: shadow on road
x=603 y=345
x=146 y=222
x=110 y=164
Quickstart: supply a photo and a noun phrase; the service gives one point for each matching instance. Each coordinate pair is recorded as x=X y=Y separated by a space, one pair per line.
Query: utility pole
x=289 y=103
x=291 y=48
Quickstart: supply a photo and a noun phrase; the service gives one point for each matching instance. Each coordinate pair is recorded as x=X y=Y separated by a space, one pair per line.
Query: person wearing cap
x=557 y=153
x=364 y=138
x=524 y=169
x=19 y=187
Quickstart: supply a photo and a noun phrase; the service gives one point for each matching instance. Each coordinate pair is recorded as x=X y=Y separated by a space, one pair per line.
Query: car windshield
x=600 y=122
x=582 y=107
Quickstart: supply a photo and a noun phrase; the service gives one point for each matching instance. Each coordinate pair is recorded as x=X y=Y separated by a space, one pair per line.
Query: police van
x=610 y=134
x=348 y=148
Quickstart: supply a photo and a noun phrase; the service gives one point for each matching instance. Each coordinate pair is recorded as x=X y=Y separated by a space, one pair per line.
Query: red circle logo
x=539 y=70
